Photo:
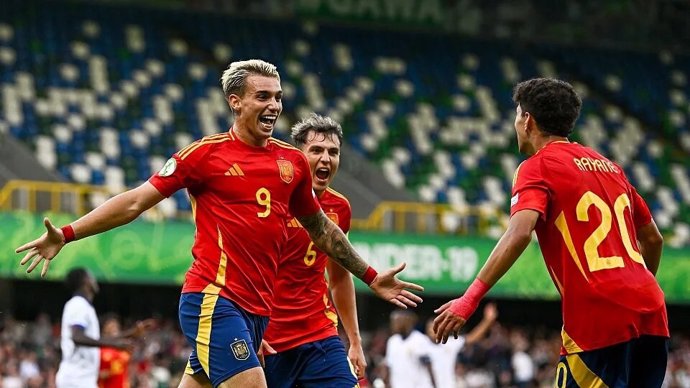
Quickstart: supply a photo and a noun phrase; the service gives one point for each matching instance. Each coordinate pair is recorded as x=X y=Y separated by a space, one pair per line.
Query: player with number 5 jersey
x=600 y=245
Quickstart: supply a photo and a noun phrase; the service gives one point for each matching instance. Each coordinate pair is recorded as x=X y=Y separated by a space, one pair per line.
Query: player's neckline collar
x=556 y=141
x=552 y=142
x=234 y=137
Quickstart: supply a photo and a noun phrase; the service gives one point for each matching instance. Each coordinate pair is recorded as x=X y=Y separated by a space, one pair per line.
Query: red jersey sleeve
x=181 y=170
x=638 y=207
x=529 y=189
x=641 y=214
x=346 y=219
x=303 y=201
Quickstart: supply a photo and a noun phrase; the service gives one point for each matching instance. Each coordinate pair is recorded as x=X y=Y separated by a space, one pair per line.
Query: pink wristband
x=465 y=305
x=68 y=232
x=369 y=276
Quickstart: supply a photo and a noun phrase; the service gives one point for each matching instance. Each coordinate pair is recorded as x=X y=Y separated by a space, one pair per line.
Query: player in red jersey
x=599 y=242
x=242 y=185
x=303 y=329
x=114 y=367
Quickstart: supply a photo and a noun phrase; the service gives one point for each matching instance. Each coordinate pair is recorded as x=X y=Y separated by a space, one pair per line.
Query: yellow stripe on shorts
x=583 y=376
x=203 y=335
x=352 y=370
x=188 y=369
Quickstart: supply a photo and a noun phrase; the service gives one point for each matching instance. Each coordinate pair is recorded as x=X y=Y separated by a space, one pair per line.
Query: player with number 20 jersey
x=600 y=245
x=589 y=214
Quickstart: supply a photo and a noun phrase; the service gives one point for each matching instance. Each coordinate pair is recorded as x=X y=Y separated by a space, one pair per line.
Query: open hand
x=44 y=248
x=394 y=290
x=447 y=323
x=141 y=327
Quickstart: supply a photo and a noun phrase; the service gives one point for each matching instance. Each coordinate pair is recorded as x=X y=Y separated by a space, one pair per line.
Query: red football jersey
x=589 y=214
x=241 y=197
x=302 y=308
x=114 y=368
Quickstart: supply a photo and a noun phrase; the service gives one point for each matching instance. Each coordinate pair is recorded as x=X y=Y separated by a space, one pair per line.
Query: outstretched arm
x=343 y=291
x=139 y=329
x=117 y=211
x=454 y=314
x=80 y=338
x=331 y=240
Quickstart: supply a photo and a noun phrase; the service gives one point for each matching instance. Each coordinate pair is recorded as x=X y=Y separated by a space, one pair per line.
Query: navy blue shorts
x=640 y=362
x=321 y=363
x=224 y=337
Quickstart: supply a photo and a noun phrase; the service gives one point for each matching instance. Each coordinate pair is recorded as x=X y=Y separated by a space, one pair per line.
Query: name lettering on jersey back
x=593 y=165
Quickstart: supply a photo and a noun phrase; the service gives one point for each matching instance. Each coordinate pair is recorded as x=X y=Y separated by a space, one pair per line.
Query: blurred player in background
x=114 y=370
x=445 y=356
x=408 y=354
x=303 y=329
x=80 y=336
x=242 y=185
x=114 y=367
x=599 y=242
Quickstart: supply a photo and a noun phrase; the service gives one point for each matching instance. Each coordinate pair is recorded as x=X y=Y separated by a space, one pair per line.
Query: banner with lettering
x=159 y=253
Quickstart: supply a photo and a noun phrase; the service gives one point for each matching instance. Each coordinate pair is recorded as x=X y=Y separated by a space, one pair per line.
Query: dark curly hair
x=75 y=279
x=553 y=103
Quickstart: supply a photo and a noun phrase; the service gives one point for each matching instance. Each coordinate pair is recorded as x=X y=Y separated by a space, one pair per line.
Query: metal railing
x=400 y=217
x=57 y=197
x=431 y=218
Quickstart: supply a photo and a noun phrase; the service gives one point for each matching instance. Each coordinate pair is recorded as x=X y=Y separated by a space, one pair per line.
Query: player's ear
x=235 y=102
x=529 y=123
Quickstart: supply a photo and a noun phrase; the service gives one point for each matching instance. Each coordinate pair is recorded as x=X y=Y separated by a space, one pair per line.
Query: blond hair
x=234 y=77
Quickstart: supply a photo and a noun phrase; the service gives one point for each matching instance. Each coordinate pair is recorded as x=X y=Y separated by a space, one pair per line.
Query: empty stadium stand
x=103 y=95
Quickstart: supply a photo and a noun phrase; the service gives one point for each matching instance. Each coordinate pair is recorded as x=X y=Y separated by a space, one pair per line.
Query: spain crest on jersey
x=333 y=217
x=286 y=170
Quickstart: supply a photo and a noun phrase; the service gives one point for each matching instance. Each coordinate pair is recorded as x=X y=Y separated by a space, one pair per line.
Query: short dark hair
x=553 y=103
x=110 y=316
x=75 y=279
x=317 y=123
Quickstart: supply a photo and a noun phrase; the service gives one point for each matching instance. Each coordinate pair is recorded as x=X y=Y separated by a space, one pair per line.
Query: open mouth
x=268 y=120
x=323 y=173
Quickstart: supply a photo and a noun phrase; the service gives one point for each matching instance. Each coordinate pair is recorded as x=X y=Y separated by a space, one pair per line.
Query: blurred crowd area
x=30 y=354
x=509 y=356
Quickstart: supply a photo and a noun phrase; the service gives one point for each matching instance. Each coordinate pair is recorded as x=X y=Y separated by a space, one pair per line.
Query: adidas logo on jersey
x=234 y=170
